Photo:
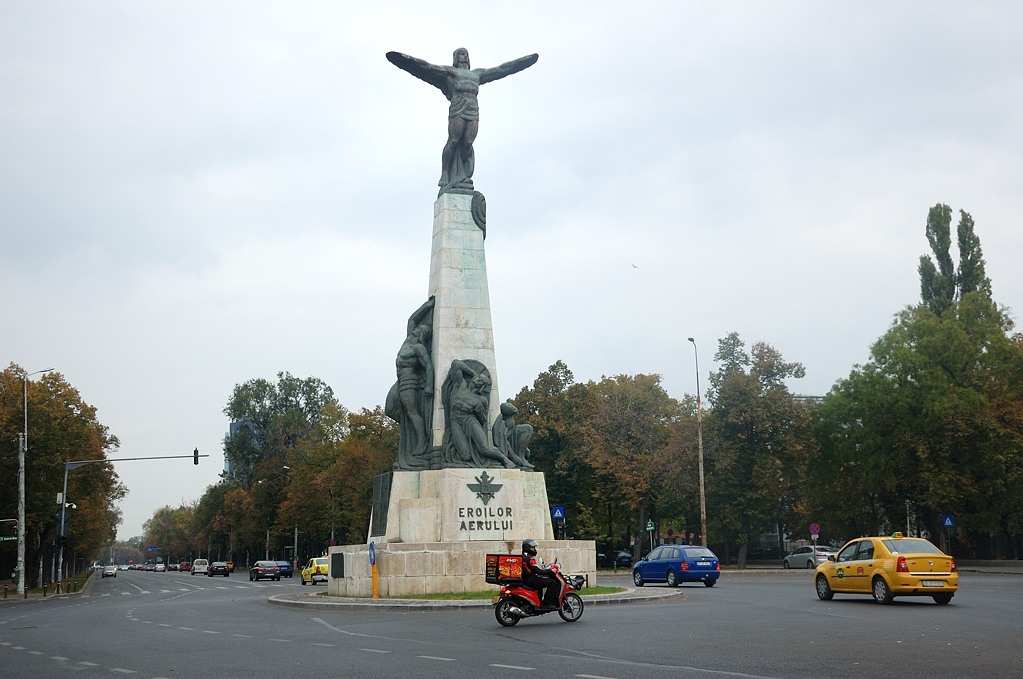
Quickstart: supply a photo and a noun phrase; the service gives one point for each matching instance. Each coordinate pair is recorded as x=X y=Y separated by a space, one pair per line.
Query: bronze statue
x=460 y=84
x=410 y=400
x=512 y=439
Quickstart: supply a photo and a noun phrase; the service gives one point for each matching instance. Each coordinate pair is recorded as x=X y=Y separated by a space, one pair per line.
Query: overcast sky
x=196 y=194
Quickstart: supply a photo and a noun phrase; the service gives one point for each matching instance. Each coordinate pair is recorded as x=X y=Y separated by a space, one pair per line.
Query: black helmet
x=529 y=547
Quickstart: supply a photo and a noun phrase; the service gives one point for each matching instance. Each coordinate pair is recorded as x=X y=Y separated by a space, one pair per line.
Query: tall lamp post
x=699 y=448
x=22 y=449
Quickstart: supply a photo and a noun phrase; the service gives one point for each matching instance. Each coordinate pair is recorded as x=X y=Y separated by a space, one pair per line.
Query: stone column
x=462 y=327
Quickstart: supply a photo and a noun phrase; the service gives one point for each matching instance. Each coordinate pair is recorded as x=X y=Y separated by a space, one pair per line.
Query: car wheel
x=785 y=564
x=672 y=579
x=637 y=578
x=277 y=579
x=824 y=592
x=882 y=593
x=302 y=580
x=942 y=599
x=809 y=564
x=710 y=583
x=251 y=577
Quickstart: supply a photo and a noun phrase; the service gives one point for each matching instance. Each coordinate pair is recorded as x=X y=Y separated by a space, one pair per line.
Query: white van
x=200 y=567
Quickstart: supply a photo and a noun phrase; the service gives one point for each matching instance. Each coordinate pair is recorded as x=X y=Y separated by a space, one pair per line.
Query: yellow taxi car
x=887 y=567
x=315 y=570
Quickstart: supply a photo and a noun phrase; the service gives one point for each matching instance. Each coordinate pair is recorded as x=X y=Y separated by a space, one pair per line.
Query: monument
x=462 y=484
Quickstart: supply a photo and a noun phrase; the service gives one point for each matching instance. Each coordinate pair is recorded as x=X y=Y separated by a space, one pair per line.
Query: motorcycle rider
x=539 y=578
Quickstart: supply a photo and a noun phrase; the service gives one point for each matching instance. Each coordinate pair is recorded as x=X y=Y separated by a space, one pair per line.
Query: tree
x=555 y=406
x=62 y=427
x=931 y=425
x=626 y=433
x=274 y=417
x=760 y=440
x=940 y=283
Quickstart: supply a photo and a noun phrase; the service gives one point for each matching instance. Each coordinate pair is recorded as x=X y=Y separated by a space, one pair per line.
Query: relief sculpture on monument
x=466 y=395
x=410 y=400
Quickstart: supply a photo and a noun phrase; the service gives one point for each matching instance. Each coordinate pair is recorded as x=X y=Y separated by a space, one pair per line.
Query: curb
x=321 y=602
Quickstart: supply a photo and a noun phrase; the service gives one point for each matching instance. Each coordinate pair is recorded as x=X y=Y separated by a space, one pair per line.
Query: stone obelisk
x=462 y=326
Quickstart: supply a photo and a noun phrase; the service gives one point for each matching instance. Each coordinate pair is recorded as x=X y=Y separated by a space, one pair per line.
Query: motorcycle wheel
x=571 y=607
x=503 y=613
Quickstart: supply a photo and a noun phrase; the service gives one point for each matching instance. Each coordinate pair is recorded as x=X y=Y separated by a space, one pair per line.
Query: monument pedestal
x=432 y=531
x=460 y=505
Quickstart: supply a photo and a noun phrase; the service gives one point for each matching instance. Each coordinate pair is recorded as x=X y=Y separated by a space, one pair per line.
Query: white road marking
x=513 y=667
x=434 y=657
x=373 y=650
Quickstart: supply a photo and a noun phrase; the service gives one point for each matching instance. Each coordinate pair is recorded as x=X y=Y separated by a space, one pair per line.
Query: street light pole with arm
x=699 y=447
x=22 y=450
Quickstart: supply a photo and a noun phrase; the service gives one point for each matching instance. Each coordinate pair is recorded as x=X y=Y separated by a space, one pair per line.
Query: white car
x=110 y=571
x=201 y=567
x=804 y=557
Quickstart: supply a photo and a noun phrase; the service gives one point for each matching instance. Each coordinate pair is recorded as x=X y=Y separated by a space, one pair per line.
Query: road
x=152 y=625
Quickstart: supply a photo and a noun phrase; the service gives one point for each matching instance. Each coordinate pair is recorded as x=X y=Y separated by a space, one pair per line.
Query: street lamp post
x=22 y=449
x=699 y=447
x=64 y=505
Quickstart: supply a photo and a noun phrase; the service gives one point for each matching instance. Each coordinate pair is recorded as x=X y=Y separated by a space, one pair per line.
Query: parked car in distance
x=887 y=567
x=122 y=567
x=200 y=567
x=804 y=557
x=172 y=567
x=219 y=568
x=160 y=568
x=265 y=569
x=315 y=570
x=185 y=566
x=109 y=571
x=287 y=570
x=622 y=559
x=675 y=564
x=150 y=567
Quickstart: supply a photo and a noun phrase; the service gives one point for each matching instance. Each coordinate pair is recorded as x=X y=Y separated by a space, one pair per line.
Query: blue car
x=675 y=564
x=286 y=570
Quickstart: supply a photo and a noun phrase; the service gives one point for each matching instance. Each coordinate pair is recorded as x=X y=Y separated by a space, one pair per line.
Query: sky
x=196 y=194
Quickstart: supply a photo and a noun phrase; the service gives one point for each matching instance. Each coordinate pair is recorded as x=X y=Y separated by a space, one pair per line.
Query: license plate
x=703 y=563
x=932 y=583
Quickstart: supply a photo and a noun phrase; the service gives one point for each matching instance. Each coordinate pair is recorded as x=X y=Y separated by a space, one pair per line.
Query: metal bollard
x=5 y=591
x=44 y=590
x=74 y=585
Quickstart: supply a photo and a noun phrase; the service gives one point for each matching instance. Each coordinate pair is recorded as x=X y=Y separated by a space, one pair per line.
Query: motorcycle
x=516 y=601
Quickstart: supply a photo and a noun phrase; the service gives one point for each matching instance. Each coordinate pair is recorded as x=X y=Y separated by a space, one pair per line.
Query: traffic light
x=195 y=457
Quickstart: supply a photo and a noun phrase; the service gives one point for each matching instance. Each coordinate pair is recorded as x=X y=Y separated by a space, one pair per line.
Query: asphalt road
x=150 y=625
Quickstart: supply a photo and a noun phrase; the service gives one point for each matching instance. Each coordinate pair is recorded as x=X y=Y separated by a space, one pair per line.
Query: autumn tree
x=555 y=406
x=62 y=427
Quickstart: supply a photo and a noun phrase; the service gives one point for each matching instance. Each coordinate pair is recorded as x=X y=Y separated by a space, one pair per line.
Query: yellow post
x=376 y=587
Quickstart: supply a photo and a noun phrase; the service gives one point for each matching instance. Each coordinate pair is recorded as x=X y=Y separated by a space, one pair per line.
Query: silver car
x=804 y=557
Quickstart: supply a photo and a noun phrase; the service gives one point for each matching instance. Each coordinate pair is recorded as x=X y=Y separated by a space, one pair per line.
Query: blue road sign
x=372 y=555
x=151 y=548
x=558 y=512
x=947 y=521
